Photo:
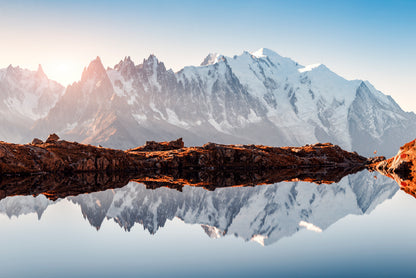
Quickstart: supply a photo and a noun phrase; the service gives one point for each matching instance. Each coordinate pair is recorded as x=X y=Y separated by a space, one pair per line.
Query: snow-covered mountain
x=25 y=96
x=263 y=213
x=258 y=97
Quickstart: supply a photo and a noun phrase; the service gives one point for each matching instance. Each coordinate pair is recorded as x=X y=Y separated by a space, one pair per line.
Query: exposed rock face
x=53 y=138
x=61 y=156
x=401 y=168
x=159 y=146
x=56 y=156
x=36 y=141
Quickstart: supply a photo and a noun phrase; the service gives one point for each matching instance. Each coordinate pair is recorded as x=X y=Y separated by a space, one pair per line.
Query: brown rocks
x=63 y=168
x=36 y=141
x=401 y=168
x=53 y=138
x=159 y=146
x=61 y=156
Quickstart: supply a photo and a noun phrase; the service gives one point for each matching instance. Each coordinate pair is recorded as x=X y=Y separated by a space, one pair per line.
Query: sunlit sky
x=370 y=40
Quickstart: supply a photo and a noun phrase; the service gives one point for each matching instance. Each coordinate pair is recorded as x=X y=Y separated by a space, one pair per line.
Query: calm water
x=363 y=226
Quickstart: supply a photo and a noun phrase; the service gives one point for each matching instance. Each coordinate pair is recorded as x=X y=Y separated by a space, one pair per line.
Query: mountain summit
x=94 y=70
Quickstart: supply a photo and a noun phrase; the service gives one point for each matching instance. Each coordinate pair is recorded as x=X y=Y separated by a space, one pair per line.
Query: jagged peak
x=11 y=69
x=152 y=63
x=125 y=63
x=212 y=231
x=94 y=70
x=40 y=73
x=363 y=84
x=211 y=59
x=151 y=59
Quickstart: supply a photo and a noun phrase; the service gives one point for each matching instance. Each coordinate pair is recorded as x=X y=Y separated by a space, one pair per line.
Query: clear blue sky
x=371 y=40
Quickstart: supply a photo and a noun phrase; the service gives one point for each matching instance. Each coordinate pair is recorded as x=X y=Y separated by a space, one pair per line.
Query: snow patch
x=309 y=68
x=259 y=239
x=174 y=119
x=140 y=118
x=310 y=226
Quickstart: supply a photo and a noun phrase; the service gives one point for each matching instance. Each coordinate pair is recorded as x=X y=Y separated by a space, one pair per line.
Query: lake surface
x=362 y=226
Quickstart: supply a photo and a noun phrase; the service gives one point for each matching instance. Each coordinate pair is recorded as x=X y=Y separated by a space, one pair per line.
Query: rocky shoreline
x=59 y=156
x=58 y=168
x=401 y=167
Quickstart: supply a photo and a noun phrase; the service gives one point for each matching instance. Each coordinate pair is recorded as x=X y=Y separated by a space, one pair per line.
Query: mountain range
x=259 y=97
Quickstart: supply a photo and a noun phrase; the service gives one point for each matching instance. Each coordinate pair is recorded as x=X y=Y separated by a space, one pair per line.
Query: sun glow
x=65 y=72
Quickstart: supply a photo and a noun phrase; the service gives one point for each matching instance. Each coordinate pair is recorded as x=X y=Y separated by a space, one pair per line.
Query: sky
x=369 y=40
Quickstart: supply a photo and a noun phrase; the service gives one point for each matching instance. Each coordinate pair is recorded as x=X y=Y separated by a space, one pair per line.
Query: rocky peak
x=13 y=72
x=95 y=70
x=152 y=67
x=212 y=58
x=40 y=74
x=11 y=69
x=126 y=67
x=150 y=60
x=53 y=138
x=153 y=63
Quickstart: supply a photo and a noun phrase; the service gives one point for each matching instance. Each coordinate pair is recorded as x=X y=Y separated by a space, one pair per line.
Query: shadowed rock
x=36 y=141
x=401 y=168
x=53 y=138
x=55 y=186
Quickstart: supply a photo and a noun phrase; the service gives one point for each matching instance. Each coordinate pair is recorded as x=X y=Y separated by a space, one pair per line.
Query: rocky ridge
x=59 y=156
x=52 y=167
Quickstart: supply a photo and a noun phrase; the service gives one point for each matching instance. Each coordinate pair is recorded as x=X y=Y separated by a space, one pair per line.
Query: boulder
x=53 y=138
x=36 y=141
x=152 y=146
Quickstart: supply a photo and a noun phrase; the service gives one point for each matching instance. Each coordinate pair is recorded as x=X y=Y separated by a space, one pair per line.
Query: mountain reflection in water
x=263 y=213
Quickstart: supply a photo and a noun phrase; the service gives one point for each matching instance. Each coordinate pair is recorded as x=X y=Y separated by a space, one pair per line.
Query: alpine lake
x=361 y=226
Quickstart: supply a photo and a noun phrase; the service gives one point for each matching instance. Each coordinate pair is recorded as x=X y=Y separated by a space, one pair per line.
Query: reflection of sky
x=371 y=40
x=64 y=244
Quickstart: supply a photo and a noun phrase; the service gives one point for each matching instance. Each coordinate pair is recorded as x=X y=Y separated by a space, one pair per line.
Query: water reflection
x=61 y=185
x=264 y=213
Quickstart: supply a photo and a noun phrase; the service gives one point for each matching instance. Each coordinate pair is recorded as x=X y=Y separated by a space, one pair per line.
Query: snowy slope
x=25 y=96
